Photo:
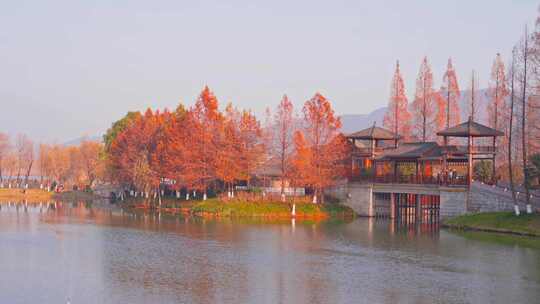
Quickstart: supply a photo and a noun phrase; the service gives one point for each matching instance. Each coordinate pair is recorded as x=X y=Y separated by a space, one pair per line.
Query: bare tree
x=4 y=149
x=284 y=122
x=524 y=56
x=25 y=157
x=510 y=125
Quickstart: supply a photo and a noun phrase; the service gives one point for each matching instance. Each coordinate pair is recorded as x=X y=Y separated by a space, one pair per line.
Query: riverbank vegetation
x=502 y=222
x=38 y=195
x=214 y=207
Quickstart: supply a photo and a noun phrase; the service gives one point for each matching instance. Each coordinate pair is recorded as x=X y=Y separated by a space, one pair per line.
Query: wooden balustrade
x=411 y=179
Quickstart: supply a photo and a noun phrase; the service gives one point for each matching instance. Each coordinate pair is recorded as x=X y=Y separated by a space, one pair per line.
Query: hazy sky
x=70 y=68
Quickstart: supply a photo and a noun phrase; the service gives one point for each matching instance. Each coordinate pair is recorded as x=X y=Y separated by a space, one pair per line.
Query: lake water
x=85 y=254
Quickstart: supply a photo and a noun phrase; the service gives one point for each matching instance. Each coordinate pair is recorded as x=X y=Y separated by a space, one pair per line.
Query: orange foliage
x=321 y=149
x=397 y=117
x=424 y=104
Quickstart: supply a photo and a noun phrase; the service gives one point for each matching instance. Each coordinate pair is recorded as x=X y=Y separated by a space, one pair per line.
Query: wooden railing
x=367 y=151
x=411 y=179
x=474 y=149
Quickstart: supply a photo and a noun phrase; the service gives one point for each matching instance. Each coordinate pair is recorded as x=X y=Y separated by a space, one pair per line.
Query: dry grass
x=37 y=195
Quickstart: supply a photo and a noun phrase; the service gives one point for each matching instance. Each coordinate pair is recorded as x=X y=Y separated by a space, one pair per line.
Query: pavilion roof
x=413 y=151
x=373 y=133
x=470 y=128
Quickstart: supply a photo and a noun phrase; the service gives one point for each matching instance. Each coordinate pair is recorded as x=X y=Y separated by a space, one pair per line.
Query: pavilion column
x=494 y=169
x=417 y=177
x=395 y=171
x=470 y=160
x=445 y=161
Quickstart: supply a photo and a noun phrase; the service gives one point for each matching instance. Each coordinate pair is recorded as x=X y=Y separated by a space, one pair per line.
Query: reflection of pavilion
x=377 y=156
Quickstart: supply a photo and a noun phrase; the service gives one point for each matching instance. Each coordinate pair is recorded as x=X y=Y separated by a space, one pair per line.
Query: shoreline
x=39 y=195
x=214 y=208
x=497 y=222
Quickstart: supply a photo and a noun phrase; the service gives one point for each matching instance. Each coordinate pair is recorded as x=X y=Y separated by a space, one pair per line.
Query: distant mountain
x=357 y=122
x=78 y=141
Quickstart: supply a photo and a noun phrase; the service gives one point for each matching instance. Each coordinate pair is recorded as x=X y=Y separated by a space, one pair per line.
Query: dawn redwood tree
x=204 y=124
x=524 y=85
x=448 y=114
x=285 y=126
x=510 y=133
x=424 y=104
x=301 y=162
x=228 y=162
x=251 y=144
x=397 y=117
x=175 y=150
x=133 y=152
x=473 y=98
x=497 y=93
x=497 y=106
x=328 y=148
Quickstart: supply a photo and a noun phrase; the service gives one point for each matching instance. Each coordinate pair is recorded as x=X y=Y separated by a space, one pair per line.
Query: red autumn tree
x=251 y=145
x=284 y=123
x=498 y=109
x=134 y=152
x=228 y=156
x=497 y=93
x=328 y=149
x=301 y=161
x=448 y=99
x=204 y=124
x=397 y=117
x=424 y=104
x=177 y=142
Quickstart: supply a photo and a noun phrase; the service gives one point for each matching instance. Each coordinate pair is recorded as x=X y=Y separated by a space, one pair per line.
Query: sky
x=70 y=68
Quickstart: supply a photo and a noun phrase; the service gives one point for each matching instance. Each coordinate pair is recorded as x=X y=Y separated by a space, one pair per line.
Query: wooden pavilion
x=369 y=144
x=470 y=130
x=377 y=157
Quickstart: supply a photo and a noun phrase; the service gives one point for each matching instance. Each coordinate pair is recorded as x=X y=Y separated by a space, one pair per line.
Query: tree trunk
x=510 y=125
x=523 y=124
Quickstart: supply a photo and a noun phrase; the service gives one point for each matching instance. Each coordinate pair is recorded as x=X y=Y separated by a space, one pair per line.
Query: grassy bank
x=37 y=195
x=216 y=208
x=501 y=222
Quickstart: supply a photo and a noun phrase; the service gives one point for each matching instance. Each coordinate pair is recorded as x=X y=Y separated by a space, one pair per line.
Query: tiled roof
x=470 y=128
x=413 y=150
x=373 y=132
